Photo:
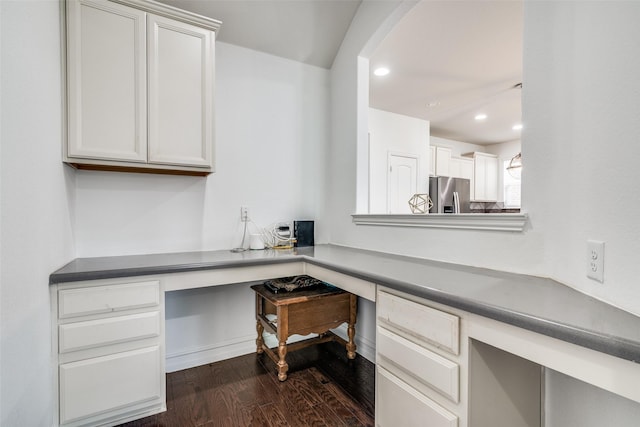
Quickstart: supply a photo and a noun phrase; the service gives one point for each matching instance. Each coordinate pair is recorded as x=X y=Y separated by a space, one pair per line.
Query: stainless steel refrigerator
x=449 y=195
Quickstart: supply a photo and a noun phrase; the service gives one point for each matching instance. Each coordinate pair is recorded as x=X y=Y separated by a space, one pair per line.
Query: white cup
x=256 y=242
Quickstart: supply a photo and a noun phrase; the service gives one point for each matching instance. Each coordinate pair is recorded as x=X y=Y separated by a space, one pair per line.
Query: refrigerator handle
x=456 y=202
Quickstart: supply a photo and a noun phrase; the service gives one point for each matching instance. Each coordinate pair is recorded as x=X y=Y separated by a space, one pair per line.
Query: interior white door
x=402 y=182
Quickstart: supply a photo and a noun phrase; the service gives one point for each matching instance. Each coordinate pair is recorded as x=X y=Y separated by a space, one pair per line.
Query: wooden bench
x=303 y=312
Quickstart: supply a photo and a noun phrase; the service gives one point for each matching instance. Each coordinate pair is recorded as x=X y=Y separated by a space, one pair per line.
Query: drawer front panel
x=430 y=325
x=105 y=299
x=92 y=386
x=425 y=366
x=112 y=330
x=398 y=404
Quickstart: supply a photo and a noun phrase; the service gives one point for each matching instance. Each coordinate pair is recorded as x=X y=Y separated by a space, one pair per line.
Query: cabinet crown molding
x=173 y=12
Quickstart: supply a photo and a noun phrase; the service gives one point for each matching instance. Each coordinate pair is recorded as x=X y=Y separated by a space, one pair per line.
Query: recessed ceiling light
x=517 y=126
x=382 y=71
x=480 y=117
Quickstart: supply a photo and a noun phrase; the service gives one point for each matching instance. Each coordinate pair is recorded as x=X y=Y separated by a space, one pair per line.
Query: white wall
x=509 y=251
x=572 y=403
x=394 y=133
x=458 y=148
x=581 y=139
x=505 y=150
x=209 y=324
x=580 y=142
x=271 y=130
x=573 y=73
x=37 y=194
x=580 y=109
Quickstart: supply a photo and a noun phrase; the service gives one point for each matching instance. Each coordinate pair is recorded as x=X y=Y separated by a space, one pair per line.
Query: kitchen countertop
x=536 y=304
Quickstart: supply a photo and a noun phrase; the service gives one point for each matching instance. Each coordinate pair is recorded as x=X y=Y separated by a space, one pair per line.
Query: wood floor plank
x=364 y=417
x=182 y=403
x=324 y=388
x=333 y=399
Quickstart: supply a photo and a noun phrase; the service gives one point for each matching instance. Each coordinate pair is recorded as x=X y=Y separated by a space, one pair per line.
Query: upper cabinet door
x=181 y=77
x=485 y=171
x=443 y=161
x=106 y=66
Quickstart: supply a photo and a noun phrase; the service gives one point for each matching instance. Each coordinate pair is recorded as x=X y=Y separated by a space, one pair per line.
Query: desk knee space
x=303 y=312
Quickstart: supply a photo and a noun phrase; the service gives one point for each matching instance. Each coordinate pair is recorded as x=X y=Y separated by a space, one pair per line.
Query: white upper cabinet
x=443 y=161
x=485 y=174
x=461 y=168
x=180 y=84
x=432 y=160
x=140 y=82
x=107 y=89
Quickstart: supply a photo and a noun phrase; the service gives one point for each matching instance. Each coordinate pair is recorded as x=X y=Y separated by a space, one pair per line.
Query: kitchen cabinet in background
x=140 y=79
x=461 y=168
x=484 y=187
x=442 y=161
x=481 y=169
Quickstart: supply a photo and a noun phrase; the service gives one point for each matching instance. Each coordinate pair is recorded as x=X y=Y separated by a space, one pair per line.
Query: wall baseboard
x=198 y=356
x=364 y=347
x=193 y=357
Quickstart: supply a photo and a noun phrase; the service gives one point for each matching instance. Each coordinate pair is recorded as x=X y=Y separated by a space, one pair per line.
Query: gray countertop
x=533 y=303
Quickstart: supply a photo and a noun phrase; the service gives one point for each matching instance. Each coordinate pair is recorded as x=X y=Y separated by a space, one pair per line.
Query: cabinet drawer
x=92 y=386
x=398 y=404
x=105 y=299
x=419 y=363
x=112 y=330
x=433 y=326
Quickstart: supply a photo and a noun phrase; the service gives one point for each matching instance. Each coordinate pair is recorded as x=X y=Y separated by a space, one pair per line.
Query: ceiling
x=450 y=61
x=462 y=57
x=309 y=31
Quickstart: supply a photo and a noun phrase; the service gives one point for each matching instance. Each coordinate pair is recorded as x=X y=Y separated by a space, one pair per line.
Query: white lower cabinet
x=93 y=333
x=419 y=365
x=102 y=384
x=398 y=404
x=108 y=342
x=432 y=369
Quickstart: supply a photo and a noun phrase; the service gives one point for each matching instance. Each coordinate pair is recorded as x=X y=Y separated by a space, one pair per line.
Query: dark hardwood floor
x=324 y=388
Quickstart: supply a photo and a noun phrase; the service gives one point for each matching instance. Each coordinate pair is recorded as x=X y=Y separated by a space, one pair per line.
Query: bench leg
x=283 y=366
x=259 y=340
x=351 y=328
x=283 y=334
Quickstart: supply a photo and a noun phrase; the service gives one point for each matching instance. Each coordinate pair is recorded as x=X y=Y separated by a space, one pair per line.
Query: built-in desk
x=520 y=319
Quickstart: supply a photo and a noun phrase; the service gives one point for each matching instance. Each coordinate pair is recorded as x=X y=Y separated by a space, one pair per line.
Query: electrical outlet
x=244 y=213
x=595 y=260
